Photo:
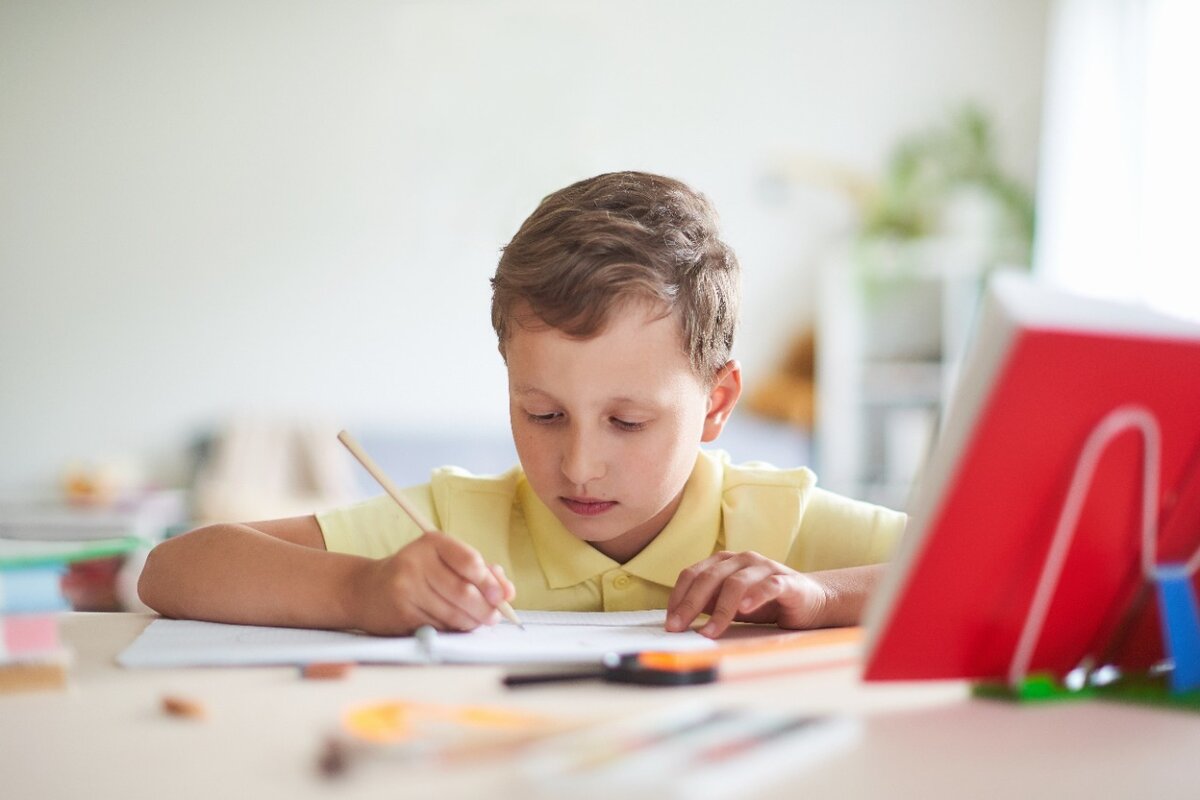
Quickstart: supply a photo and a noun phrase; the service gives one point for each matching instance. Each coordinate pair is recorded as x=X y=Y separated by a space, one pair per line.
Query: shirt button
x=621 y=582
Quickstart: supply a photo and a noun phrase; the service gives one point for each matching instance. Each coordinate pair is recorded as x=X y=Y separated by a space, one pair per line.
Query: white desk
x=107 y=737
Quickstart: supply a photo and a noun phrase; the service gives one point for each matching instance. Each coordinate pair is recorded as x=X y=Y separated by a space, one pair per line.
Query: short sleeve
x=375 y=528
x=838 y=532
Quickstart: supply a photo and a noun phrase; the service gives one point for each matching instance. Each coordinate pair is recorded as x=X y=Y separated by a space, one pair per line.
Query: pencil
x=425 y=525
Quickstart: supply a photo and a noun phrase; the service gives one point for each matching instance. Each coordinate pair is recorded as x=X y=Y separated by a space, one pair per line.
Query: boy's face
x=607 y=428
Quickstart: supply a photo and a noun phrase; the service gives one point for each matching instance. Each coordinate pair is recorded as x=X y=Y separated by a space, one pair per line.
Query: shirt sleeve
x=838 y=532
x=375 y=528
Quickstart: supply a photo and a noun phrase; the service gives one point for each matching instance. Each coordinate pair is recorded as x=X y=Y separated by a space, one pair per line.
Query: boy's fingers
x=466 y=562
x=454 y=604
x=682 y=611
x=443 y=614
x=704 y=590
x=694 y=592
x=731 y=592
x=510 y=591
x=687 y=601
x=761 y=593
x=675 y=615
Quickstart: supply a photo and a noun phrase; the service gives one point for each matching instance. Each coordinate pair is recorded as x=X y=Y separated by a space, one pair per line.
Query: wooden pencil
x=416 y=516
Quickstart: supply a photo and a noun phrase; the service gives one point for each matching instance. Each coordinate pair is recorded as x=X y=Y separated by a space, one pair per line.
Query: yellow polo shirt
x=779 y=513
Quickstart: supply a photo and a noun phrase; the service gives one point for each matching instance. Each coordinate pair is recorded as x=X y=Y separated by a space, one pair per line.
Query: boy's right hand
x=435 y=580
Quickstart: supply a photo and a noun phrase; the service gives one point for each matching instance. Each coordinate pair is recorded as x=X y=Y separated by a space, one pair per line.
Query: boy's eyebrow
x=524 y=389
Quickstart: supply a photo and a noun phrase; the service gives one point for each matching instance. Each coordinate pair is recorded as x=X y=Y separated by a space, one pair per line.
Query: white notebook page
x=549 y=637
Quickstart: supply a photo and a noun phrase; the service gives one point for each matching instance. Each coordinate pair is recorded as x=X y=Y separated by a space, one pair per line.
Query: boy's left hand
x=746 y=587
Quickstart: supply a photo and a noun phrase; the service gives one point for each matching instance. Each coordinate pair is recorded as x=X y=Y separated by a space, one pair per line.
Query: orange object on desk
x=757 y=647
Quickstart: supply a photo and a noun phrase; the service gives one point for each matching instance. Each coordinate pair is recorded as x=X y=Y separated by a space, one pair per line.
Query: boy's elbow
x=162 y=579
x=149 y=581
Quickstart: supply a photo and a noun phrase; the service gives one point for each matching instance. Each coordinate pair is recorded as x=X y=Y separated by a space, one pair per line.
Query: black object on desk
x=617 y=668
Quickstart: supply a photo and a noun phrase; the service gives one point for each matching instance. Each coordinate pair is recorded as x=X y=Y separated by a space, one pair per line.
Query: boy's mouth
x=587 y=506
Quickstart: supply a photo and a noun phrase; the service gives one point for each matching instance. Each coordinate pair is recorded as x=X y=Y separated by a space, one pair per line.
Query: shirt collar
x=690 y=536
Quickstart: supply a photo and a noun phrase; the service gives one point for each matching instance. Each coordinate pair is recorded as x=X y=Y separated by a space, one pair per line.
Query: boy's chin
x=592 y=531
x=586 y=530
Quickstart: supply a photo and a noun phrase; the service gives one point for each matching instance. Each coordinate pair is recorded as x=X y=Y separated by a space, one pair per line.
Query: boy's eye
x=626 y=425
x=543 y=419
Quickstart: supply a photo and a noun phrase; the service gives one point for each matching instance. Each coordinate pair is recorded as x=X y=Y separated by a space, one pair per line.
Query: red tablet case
x=959 y=593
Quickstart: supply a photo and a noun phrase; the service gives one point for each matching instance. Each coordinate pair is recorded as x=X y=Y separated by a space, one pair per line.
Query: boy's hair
x=617 y=237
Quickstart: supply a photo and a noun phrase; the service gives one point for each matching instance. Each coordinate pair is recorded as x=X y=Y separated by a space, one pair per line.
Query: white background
x=294 y=208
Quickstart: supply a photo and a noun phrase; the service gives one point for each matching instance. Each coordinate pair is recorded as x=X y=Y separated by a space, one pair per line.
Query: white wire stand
x=1116 y=422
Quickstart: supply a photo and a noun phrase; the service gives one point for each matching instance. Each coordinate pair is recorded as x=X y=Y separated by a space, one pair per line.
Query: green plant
x=925 y=169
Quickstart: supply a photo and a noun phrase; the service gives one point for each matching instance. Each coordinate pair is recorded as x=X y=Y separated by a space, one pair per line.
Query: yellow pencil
x=416 y=516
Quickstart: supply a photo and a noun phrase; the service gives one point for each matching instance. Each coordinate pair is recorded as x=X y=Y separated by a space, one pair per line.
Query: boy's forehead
x=634 y=334
x=636 y=357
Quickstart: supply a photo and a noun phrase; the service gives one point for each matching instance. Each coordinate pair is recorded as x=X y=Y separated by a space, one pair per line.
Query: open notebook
x=549 y=637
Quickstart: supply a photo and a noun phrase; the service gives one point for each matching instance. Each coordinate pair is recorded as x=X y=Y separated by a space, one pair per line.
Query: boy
x=615 y=306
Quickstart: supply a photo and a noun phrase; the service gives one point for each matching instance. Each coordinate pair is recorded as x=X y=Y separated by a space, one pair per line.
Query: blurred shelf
x=892 y=324
x=902 y=382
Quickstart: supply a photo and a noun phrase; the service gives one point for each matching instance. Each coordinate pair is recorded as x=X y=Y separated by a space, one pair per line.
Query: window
x=1120 y=173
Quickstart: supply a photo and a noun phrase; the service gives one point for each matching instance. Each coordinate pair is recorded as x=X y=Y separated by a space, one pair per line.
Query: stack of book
x=55 y=557
x=45 y=525
x=31 y=652
x=149 y=515
x=32 y=593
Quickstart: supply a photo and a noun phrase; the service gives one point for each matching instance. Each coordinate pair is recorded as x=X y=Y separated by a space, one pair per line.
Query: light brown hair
x=617 y=237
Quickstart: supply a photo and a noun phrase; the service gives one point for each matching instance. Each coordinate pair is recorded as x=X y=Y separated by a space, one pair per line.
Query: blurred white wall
x=294 y=207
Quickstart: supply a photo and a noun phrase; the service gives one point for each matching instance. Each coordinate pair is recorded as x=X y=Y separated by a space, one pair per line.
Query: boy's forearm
x=234 y=573
x=846 y=594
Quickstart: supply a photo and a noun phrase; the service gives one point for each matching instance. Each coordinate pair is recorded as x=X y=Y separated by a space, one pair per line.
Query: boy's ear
x=722 y=397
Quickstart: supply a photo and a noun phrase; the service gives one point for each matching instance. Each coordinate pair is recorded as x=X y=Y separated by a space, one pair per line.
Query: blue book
x=33 y=588
x=31 y=571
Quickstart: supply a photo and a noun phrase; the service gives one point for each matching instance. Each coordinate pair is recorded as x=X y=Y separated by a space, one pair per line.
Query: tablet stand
x=1177 y=601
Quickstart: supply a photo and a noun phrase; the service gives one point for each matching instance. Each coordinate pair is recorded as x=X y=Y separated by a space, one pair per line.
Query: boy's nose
x=582 y=461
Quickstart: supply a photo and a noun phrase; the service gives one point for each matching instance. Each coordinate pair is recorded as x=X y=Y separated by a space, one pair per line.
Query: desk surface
x=106 y=736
